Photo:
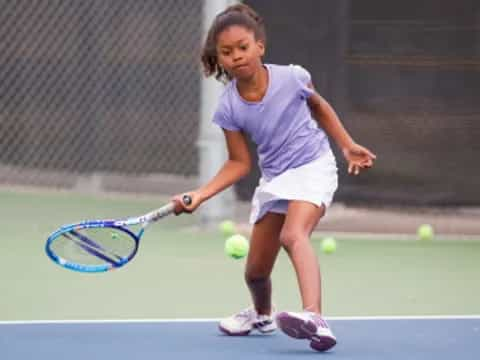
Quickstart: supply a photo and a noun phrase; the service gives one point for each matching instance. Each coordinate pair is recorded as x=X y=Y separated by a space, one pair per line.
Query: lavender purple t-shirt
x=280 y=124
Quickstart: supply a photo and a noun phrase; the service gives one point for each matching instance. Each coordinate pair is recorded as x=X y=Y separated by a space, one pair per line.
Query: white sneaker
x=309 y=326
x=245 y=321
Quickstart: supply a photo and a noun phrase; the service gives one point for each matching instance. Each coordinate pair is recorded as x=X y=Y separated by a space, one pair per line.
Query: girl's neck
x=255 y=87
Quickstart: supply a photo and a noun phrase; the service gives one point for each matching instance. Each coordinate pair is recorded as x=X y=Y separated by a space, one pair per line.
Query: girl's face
x=238 y=52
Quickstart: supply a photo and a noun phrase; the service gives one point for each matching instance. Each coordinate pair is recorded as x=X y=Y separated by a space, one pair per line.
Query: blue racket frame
x=91 y=246
x=66 y=229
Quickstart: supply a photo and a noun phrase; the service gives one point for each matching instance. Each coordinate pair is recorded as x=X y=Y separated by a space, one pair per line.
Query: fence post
x=211 y=142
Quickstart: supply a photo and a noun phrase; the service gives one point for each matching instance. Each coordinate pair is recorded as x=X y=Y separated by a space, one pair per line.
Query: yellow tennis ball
x=425 y=232
x=329 y=245
x=227 y=228
x=236 y=246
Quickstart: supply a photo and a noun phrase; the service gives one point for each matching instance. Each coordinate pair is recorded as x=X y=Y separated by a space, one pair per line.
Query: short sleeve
x=223 y=116
x=304 y=79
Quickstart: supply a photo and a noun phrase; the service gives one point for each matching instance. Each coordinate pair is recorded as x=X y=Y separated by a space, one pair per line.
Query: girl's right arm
x=236 y=167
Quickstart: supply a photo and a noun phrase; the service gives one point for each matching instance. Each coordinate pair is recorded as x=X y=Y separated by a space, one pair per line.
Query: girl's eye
x=243 y=47
x=225 y=53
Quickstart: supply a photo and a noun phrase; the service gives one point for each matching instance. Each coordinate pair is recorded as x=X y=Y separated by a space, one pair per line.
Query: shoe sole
x=244 y=333
x=229 y=333
x=301 y=329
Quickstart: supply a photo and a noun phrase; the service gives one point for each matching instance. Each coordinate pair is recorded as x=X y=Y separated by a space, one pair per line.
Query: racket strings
x=92 y=248
x=95 y=246
x=91 y=245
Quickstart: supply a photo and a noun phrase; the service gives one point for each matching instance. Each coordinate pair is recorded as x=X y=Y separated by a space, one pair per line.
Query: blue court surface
x=437 y=338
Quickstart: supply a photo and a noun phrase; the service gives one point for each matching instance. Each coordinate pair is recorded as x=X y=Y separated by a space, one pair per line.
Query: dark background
x=404 y=78
x=113 y=87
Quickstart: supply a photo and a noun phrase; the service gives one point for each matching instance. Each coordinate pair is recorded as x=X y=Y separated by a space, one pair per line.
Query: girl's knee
x=289 y=239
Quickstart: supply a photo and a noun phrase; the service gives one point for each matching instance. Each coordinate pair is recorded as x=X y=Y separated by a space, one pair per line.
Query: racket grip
x=160 y=213
x=168 y=209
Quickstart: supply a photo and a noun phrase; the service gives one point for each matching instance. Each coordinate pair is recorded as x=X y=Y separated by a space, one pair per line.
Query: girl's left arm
x=357 y=156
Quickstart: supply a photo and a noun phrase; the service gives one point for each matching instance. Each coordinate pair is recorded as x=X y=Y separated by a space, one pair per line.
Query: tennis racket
x=102 y=245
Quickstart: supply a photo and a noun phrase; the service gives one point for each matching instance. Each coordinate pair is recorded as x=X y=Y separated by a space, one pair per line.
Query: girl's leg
x=301 y=219
x=264 y=247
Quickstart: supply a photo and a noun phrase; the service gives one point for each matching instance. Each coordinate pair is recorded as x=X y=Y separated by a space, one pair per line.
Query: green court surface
x=181 y=271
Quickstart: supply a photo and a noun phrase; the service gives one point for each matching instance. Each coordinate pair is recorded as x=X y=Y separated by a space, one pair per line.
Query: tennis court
x=359 y=339
x=182 y=276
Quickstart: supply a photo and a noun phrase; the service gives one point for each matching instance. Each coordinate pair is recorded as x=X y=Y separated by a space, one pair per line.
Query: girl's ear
x=261 y=47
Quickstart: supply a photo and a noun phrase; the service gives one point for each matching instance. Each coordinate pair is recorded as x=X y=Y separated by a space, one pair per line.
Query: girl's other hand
x=358 y=157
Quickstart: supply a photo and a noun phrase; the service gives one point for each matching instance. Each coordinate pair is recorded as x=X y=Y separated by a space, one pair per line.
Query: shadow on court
x=431 y=338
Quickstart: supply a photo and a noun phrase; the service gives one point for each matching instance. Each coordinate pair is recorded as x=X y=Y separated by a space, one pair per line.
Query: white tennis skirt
x=315 y=182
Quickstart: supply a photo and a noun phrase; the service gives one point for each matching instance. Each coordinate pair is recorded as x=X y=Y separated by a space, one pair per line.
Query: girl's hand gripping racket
x=102 y=245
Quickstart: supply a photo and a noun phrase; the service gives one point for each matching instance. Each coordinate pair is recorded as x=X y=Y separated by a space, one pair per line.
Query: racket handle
x=154 y=215
x=159 y=213
x=167 y=209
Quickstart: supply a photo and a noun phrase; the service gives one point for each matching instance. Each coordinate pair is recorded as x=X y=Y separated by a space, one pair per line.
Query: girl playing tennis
x=278 y=107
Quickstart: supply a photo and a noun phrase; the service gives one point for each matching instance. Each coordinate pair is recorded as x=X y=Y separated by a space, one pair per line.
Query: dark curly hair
x=239 y=14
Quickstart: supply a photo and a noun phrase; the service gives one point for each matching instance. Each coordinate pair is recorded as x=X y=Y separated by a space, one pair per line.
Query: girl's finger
x=367 y=152
x=353 y=169
x=370 y=154
x=366 y=163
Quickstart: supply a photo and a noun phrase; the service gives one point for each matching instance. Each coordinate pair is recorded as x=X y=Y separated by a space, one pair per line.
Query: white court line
x=205 y=320
x=392 y=236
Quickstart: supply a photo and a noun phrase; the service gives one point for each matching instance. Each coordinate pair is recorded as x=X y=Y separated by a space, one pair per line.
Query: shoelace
x=246 y=314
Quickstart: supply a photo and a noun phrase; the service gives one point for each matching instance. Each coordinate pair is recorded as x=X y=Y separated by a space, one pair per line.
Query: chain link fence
x=105 y=94
x=99 y=92
x=405 y=83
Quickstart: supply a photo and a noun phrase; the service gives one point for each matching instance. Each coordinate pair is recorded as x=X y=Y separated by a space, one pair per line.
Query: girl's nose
x=237 y=56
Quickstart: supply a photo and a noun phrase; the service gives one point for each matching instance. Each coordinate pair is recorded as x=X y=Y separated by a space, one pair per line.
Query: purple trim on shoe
x=229 y=333
x=294 y=327
x=322 y=343
x=317 y=319
x=301 y=329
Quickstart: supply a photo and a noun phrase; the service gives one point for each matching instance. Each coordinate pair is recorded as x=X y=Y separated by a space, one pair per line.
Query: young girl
x=278 y=107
